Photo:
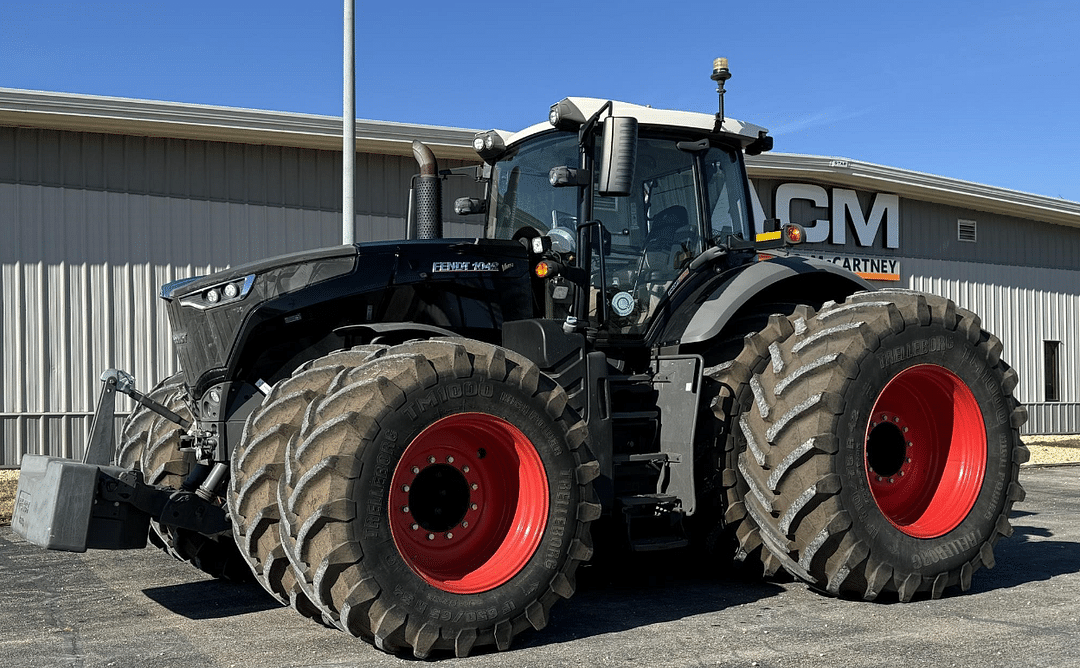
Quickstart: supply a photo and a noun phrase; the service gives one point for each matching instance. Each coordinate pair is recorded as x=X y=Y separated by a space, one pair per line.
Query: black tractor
x=412 y=440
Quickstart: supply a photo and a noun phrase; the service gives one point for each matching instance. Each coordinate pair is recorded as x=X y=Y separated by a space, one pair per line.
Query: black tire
x=404 y=491
x=135 y=435
x=733 y=398
x=154 y=443
x=882 y=446
x=258 y=464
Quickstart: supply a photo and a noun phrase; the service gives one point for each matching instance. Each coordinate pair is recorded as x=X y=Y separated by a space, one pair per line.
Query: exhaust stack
x=429 y=223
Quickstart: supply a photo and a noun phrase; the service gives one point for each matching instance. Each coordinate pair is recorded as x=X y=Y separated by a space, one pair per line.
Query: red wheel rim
x=468 y=503
x=926 y=451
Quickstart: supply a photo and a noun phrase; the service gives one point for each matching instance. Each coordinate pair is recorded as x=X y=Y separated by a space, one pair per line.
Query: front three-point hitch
x=64 y=504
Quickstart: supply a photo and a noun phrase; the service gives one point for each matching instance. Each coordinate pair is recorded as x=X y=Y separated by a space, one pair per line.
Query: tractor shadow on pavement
x=1029 y=555
x=212 y=599
x=641 y=591
x=633 y=591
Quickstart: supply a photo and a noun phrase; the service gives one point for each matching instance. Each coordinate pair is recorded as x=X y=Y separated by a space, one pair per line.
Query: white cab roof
x=647 y=116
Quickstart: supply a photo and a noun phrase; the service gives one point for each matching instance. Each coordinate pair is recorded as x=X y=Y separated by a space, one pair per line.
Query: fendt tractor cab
x=413 y=440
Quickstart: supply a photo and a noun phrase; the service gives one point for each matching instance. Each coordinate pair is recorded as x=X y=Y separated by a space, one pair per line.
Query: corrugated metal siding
x=92 y=225
x=1023 y=306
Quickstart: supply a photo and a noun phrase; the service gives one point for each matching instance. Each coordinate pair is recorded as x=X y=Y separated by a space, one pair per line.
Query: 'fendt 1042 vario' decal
x=455 y=266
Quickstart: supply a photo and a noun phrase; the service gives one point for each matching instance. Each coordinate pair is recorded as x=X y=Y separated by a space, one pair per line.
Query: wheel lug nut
x=415 y=527
x=475 y=486
x=415 y=469
x=449 y=535
x=449 y=459
x=465 y=469
x=405 y=488
x=475 y=507
x=465 y=524
x=431 y=536
x=404 y=509
x=431 y=460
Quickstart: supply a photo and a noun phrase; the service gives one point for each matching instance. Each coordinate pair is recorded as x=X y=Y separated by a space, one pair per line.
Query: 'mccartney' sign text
x=870 y=268
x=845 y=214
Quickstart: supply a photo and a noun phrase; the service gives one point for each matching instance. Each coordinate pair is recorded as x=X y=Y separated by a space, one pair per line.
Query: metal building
x=1011 y=257
x=102 y=200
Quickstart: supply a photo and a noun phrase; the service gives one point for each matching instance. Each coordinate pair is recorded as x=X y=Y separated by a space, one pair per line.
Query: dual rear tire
x=877 y=446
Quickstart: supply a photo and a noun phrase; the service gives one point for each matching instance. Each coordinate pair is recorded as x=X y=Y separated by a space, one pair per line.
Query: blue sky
x=980 y=91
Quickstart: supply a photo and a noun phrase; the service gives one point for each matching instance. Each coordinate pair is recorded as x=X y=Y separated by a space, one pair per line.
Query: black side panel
x=584 y=376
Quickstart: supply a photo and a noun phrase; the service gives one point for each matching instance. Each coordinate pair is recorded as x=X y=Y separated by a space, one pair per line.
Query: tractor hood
x=185 y=288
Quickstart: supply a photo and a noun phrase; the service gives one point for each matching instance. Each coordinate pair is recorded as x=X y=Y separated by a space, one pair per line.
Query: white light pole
x=348 y=128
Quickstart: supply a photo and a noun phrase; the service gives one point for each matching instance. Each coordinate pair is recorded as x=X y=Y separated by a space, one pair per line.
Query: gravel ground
x=1045 y=450
x=9 y=482
x=1053 y=449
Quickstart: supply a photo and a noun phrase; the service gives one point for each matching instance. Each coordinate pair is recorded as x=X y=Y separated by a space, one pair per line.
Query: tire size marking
x=541 y=422
x=853 y=456
x=1003 y=464
x=444 y=614
x=916 y=348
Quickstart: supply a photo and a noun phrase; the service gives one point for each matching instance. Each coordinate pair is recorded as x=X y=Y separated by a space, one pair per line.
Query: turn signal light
x=545 y=268
x=794 y=234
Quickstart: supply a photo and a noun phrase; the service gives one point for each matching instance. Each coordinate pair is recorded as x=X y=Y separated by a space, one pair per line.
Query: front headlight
x=221 y=294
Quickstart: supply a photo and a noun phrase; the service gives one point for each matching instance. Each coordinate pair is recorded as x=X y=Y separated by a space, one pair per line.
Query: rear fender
x=788 y=279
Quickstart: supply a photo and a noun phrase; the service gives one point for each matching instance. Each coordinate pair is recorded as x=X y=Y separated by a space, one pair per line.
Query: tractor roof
x=745 y=133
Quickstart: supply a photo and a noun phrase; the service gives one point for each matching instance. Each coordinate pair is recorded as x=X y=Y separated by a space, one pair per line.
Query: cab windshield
x=650 y=236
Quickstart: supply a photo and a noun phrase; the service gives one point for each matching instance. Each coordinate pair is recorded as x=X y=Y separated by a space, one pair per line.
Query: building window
x=1050 y=358
x=966 y=230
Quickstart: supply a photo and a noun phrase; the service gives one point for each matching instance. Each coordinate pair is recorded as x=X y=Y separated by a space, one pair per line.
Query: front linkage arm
x=102 y=441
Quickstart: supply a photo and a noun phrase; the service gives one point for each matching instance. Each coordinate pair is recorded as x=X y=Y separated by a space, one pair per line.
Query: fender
x=814 y=281
x=392 y=333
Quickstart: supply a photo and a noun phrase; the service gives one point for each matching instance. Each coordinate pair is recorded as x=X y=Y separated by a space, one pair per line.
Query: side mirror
x=618 y=156
x=464 y=206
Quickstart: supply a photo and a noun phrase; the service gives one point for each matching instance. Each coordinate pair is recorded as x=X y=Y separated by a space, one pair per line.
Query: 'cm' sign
x=844 y=209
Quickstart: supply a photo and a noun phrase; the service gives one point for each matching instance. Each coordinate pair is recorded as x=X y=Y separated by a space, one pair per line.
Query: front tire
x=153 y=443
x=882 y=446
x=442 y=501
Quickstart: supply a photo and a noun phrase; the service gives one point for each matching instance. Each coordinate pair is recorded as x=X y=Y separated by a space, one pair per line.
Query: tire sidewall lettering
x=397 y=429
x=927 y=344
